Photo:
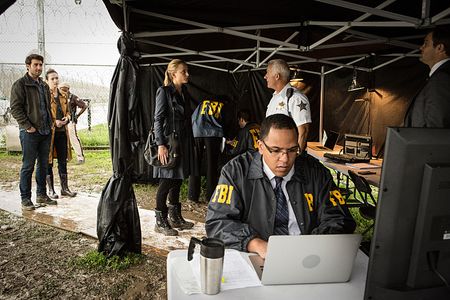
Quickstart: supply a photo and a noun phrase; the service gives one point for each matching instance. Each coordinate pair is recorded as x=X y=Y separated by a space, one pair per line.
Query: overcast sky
x=74 y=34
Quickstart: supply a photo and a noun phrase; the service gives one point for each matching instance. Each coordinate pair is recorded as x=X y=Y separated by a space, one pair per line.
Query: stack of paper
x=237 y=273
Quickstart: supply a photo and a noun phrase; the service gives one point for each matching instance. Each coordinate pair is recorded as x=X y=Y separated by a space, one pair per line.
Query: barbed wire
x=66 y=25
x=80 y=42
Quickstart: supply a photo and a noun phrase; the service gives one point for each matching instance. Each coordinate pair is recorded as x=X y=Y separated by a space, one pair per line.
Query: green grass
x=93 y=174
x=361 y=223
x=98 y=136
x=10 y=166
x=185 y=188
x=97 y=261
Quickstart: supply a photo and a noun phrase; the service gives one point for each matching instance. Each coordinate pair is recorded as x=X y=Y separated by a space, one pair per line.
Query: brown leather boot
x=162 y=225
x=176 y=220
x=65 y=186
x=51 y=187
x=44 y=199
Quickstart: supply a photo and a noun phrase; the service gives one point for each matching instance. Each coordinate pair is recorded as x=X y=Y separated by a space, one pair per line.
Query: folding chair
x=366 y=209
x=346 y=191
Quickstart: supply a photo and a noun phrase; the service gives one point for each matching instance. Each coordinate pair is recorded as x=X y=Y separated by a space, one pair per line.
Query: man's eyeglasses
x=275 y=151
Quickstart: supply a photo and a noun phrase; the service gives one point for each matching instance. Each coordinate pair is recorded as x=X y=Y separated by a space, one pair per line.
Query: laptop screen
x=331 y=140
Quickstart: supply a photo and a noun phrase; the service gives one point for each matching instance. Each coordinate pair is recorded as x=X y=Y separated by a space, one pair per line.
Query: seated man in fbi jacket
x=248 y=135
x=275 y=191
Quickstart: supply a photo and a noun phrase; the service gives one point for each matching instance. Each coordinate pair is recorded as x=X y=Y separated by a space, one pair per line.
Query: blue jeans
x=34 y=146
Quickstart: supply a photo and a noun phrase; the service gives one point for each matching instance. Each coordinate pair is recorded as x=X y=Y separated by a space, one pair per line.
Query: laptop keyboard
x=345 y=158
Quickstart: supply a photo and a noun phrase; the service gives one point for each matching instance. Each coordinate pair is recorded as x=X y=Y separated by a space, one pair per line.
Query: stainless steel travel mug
x=211 y=263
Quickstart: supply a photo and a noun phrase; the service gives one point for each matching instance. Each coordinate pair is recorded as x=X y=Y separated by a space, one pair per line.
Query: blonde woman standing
x=172 y=112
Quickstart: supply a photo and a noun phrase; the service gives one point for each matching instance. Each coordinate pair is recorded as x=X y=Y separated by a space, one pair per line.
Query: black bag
x=151 y=151
x=173 y=145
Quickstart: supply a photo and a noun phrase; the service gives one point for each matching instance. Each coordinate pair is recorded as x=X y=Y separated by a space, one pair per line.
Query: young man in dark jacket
x=247 y=137
x=30 y=106
x=275 y=191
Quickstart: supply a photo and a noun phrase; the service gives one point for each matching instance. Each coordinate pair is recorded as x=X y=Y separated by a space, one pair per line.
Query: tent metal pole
x=349 y=65
x=246 y=60
x=266 y=26
x=41 y=27
x=147 y=34
x=363 y=24
x=206 y=30
x=125 y=15
x=206 y=61
x=230 y=50
x=342 y=29
x=352 y=44
x=258 y=53
x=168 y=54
x=208 y=67
x=263 y=69
x=208 y=52
x=325 y=61
x=188 y=62
x=442 y=22
x=322 y=93
x=278 y=48
x=216 y=28
x=440 y=15
x=371 y=10
x=197 y=52
x=395 y=59
x=394 y=42
x=425 y=9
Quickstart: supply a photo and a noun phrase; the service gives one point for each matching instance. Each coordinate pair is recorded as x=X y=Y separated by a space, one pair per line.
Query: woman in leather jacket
x=60 y=144
x=172 y=113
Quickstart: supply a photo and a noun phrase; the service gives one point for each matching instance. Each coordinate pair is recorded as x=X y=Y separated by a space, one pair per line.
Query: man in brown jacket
x=30 y=106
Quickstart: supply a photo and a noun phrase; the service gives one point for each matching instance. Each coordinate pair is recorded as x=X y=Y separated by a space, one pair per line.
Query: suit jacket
x=431 y=106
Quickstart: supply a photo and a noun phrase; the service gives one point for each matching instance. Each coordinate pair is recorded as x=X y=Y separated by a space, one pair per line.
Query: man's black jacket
x=244 y=204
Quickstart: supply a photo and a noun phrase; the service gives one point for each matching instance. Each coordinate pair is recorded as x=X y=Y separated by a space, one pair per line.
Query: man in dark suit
x=431 y=106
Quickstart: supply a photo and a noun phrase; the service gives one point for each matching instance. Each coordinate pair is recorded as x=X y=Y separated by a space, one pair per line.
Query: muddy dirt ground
x=36 y=260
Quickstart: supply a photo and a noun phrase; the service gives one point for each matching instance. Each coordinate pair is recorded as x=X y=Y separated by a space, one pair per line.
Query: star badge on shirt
x=280 y=105
x=302 y=106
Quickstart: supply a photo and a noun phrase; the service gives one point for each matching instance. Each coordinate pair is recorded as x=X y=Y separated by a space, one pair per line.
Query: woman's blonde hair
x=171 y=68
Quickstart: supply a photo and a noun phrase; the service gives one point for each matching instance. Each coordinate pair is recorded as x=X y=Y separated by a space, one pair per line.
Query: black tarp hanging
x=118 y=224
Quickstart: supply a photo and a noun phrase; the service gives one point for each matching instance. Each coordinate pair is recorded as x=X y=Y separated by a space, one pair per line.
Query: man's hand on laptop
x=257 y=245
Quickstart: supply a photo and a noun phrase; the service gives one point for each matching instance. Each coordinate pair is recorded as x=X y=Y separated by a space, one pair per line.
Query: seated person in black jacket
x=275 y=191
x=248 y=135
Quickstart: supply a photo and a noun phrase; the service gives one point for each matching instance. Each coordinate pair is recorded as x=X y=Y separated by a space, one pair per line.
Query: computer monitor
x=410 y=249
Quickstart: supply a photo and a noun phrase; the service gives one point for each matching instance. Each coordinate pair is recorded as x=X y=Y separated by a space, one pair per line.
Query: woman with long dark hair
x=60 y=143
x=172 y=113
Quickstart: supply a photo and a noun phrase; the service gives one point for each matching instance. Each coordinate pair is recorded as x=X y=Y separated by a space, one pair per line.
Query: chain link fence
x=79 y=42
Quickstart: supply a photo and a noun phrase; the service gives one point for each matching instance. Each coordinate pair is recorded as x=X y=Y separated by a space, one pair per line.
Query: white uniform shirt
x=293 y=224
x=298 y=106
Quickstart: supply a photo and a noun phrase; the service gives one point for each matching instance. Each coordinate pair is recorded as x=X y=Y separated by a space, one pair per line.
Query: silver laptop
x=307 y=259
